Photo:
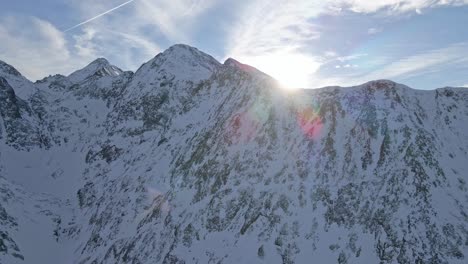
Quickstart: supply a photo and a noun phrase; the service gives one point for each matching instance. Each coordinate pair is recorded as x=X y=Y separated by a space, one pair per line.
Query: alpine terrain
x=188 y=160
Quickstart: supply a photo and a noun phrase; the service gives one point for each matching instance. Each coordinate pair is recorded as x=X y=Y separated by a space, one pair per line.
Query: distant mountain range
x=188 y=160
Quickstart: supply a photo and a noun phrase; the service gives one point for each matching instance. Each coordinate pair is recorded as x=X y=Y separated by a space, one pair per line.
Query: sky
x=302 y=43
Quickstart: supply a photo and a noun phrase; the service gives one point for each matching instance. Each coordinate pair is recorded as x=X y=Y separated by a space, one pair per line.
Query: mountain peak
x=14 y=78
x=99 y=67
x=188 y=63
x=381 y=84
x=100 y=61
x=230 y=62
x=181 y=46
x=6 y=68
x=186 y=53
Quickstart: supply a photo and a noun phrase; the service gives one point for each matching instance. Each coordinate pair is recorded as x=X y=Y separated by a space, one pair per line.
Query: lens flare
x=243 y=127
x=309 y=121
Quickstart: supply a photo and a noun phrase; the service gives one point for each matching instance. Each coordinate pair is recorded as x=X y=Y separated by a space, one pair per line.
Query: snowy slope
x=188 y=160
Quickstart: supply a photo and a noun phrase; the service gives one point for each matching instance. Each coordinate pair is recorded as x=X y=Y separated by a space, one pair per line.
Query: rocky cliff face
x=188 y=160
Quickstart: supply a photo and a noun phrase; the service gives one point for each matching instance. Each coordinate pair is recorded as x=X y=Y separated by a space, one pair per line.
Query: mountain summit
x=99 y=67
x=188 y=63
x=188 y=160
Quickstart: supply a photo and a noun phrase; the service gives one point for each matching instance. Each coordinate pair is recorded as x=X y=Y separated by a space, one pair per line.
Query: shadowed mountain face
x=188 y=160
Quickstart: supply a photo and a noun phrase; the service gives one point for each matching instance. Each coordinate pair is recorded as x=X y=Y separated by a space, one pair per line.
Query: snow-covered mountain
x=188 y=160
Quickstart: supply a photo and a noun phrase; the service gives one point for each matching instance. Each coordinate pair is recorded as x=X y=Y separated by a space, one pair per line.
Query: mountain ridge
x=5 y=67
x=188 y=160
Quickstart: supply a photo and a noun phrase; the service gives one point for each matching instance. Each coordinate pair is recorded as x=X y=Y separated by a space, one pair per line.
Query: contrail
x=98 y=16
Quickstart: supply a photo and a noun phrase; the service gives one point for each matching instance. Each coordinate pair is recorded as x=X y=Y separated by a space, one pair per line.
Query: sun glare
x=292 y=71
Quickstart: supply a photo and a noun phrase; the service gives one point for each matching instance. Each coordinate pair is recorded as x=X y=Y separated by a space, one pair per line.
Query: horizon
x=303 y=45
x=223 y=62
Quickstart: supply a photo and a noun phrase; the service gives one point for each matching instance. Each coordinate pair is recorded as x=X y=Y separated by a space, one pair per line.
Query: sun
x=291 y=78
x=292 y=70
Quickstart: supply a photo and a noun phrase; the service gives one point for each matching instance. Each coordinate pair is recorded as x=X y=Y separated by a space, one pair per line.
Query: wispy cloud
x=392 y=6
x=373 y=31
x=34 y=46
x=268 y=31
x=173 y=19
x=146 y=23
x=421 y=64
x=264 y=25
x=351 y=57
x=38 y=48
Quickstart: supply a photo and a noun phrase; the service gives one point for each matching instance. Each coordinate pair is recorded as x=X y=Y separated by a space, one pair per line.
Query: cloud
x=267 y=25
x=330 y=54
x=465 y=85
x=268 y=31
x=173 y=19
x=126 y=50
x=373 y=31
x=33 y=46
x=147 y=23
x=422 y=64
x=351 y=57
x=264 y=25
x=38 y=48
x=392 y=6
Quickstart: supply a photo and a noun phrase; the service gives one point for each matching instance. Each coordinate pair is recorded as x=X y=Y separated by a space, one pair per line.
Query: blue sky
x=421 y=43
